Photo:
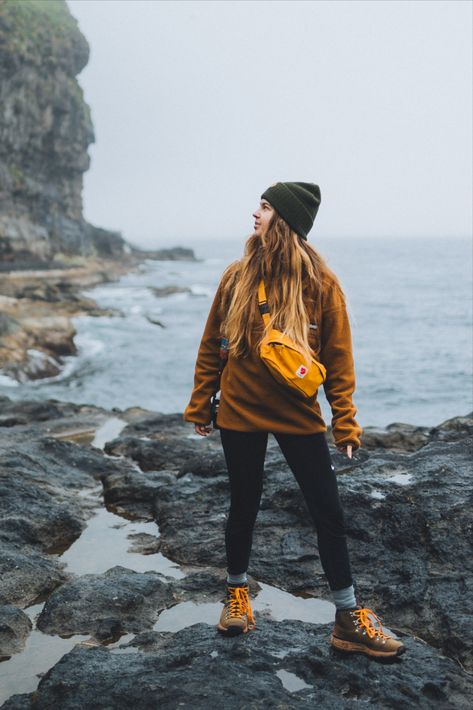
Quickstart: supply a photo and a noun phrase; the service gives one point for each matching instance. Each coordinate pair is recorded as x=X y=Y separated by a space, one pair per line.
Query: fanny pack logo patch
x=301 y=371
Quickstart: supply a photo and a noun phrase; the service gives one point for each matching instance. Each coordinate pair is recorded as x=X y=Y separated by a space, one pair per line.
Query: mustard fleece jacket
x=252 y=400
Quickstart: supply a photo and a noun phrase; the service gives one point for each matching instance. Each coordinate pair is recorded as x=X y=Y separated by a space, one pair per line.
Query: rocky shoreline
x=134 y=631
x=36 y=307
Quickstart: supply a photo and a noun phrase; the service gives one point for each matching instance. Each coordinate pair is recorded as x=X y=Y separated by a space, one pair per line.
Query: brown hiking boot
x=237 y=616
x=355 y=631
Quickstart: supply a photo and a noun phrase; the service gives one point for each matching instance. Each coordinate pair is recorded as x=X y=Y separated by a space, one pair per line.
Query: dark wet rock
x=34 y=419
x=162 y=291
x=31 y=515
x=453 y=429
x=408 y=520
x=40 y=511
x=122 y=600
x=197 y=667
x=27 y=575
x=19 y=702
x=131 y=599
x=171 y=254
x=408 y=437
x=406 y=515
x=37 y=515
x=15 y=627
x=154 y=321
x=166 y=442
x=405 y=437
x=133 y=492
x=16 y=413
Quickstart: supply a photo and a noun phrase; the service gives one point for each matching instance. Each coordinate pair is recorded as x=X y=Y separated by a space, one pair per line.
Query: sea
x=410 y=309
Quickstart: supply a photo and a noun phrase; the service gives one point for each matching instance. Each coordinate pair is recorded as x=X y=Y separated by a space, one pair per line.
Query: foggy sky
x=199 y=106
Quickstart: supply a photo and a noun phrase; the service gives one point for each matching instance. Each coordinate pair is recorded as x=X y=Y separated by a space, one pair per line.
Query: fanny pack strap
x=263 y=303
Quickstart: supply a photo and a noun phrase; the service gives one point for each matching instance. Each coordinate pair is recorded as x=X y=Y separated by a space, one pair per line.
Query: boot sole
x=231 y=630
x=351 y=646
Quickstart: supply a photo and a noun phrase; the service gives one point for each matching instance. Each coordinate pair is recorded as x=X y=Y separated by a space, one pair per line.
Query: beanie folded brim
x=297 y=203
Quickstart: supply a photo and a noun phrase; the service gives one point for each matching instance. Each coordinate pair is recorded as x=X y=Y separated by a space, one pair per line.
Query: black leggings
x=308 y=457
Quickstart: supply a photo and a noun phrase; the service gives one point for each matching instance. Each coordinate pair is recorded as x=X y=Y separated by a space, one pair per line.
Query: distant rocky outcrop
x=45 y=130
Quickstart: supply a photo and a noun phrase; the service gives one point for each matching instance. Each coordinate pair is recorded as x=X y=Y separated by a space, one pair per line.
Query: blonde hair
x=292 y=270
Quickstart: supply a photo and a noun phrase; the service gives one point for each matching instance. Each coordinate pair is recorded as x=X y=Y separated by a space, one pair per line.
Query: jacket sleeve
x=206 y=368
x=337 y=356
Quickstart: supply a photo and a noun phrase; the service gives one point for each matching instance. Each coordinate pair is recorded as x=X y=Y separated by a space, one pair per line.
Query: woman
x=306 y=302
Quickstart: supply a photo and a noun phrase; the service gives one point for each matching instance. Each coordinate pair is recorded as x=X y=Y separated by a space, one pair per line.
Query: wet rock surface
x=121 y=601
x=407 y=437
x=41 y=512
x=36 y=307
x=408 y=515
x=195 y=667
x=166 y=442
x=15 y=627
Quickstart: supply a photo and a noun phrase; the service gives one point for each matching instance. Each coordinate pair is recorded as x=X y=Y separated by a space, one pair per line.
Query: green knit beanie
x=296 y=202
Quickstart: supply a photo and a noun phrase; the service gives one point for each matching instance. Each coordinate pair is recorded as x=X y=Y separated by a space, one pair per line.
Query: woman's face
x=262 y=217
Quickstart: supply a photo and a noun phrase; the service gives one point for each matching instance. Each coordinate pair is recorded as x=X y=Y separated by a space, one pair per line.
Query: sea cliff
x=48 y=251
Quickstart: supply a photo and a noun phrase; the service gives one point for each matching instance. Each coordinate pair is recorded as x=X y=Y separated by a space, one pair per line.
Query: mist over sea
x=410 y=305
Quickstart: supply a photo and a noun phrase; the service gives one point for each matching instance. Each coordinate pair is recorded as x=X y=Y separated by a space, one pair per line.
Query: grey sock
x=344 y=598
x=237 y=578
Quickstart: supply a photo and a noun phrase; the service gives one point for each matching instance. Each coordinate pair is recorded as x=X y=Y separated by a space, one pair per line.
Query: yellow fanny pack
x=285 y=360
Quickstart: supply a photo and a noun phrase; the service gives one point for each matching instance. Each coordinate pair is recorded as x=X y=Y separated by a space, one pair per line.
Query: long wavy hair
x=292 y=270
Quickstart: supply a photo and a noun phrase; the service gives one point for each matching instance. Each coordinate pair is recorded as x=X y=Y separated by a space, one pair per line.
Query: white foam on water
x=88 y=346
x=199 y=290
x=6 y=381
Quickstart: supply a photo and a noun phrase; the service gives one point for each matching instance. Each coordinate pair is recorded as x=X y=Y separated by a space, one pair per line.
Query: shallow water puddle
x=402 y=479
x=98 y=437
x=107 y=431
x=280 y=605
x=283 y=605
x=22 y=672
x=105 y=543
x=186 y=614
x=120 y=647
x=291 y=681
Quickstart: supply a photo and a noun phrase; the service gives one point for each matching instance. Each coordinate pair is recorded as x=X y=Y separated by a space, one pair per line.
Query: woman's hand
x=346 y=450
x=203 y=429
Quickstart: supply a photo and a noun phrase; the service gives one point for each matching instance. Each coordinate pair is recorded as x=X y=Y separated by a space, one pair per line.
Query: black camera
x=214 y=404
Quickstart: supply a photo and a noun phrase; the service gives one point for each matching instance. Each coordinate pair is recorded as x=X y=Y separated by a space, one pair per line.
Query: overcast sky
x=199 y=106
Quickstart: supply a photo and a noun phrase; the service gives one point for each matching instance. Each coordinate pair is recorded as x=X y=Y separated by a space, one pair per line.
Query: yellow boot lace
x=239 y=604
x=365 y=621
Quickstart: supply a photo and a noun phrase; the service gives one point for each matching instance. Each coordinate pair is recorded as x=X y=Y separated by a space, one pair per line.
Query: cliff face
x=45 y=129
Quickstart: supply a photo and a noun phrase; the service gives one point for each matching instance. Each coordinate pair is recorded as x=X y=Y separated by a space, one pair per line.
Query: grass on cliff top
x=29 y=22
